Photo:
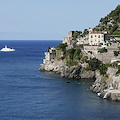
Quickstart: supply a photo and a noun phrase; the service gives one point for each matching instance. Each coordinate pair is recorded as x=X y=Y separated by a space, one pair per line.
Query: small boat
x=6 y=49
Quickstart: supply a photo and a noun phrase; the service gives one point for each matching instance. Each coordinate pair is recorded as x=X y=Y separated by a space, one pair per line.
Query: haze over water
x=28 y=94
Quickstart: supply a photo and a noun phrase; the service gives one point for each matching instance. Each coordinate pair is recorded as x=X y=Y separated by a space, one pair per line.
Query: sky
x=50 y=19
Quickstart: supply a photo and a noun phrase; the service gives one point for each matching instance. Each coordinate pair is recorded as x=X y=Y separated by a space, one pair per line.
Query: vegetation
x=61 y=46
x=90 y=52
x=70 y=62
x=49 y=48
x=94 y=64
x=85 y=32
x=117 y=32
x=114 y=28
x=103 y=68
x=77 y=34
x=102 y=50
x=70 y=53
x=110 y=22
x=118 y=69
x=116 y=53
x=84 y=59
x=77 y=53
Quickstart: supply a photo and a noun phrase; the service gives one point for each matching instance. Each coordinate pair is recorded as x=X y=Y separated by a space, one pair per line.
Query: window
x=91 y=36
x=98 y=36
x=95 y=35
x=95 y=40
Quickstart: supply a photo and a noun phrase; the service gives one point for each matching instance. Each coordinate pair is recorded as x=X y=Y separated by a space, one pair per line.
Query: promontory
x=91 y=54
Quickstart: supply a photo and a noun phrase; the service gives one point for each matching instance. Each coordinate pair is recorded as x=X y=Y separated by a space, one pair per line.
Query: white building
x=50 y=55
x=96 y=37
x=68 y=39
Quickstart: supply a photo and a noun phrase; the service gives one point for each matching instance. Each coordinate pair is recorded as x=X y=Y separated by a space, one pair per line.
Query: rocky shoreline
x=74 y=72
x=105 y=87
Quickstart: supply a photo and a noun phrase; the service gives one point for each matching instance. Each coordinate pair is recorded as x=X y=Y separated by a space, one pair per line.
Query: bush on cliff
x=103 y=69
x=84 y=59
x=70 y=53
x=102 y=50
x=61 y=46
x=71 y=62
x=77 y=53
x=94 y=64
x=116 y=53
x=118 y=69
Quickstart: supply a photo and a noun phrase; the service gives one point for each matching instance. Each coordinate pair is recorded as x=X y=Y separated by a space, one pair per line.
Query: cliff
x=107 y=87
x=74 y=72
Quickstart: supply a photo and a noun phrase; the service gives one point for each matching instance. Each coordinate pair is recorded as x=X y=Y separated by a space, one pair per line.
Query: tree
x=62 y=46
x=101 y=19
x=103 y=69
x=77 y=53
x=85 y=32
x=77 y=34
x=116 y=53
x=70 y=52
x=114 y=28
x=94 y=64
x=84 y=59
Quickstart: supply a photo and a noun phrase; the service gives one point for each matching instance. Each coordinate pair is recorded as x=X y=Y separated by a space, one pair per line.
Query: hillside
x=111 y=22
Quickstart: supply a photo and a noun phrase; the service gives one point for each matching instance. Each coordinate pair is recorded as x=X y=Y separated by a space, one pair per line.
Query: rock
x=87 y=74
x=67 y=81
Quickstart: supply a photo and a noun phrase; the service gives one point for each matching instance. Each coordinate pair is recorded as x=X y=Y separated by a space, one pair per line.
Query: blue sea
x=28 y=94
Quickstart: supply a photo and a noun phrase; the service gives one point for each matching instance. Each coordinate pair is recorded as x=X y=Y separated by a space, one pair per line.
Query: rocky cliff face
x=75 y=72
x=107 y=88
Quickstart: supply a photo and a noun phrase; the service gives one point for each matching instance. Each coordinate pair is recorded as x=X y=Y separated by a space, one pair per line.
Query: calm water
x=28 y=94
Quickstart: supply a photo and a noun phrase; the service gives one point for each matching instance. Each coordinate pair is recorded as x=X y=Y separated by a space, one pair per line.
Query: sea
x=29 y=94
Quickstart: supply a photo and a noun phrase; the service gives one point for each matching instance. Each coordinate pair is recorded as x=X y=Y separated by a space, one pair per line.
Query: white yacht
x=6 y=49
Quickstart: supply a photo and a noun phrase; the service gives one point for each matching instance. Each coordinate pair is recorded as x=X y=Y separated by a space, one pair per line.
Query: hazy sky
x=49 y=19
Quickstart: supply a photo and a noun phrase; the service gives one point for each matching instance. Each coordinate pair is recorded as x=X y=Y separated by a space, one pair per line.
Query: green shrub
x=102 y=50
x=116 y=53
x=103 y=69
x=77 y=53
x=114 y=28
x=70 y=62
x=94 y=64
x=61 y=46
x=90 y=52
x=118 y=69
x=70 y=53
x=106 y=75
x=84 y=59
x=116 y=32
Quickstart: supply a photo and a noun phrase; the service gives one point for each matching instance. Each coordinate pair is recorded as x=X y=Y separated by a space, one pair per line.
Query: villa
x=96 y=37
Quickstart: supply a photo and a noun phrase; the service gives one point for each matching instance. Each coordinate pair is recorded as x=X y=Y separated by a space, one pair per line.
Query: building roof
x=96 y=32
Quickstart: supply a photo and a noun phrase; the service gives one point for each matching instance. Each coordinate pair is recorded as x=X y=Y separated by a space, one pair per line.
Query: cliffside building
x=50 y=55
x=96 y=37
x=68 y=39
